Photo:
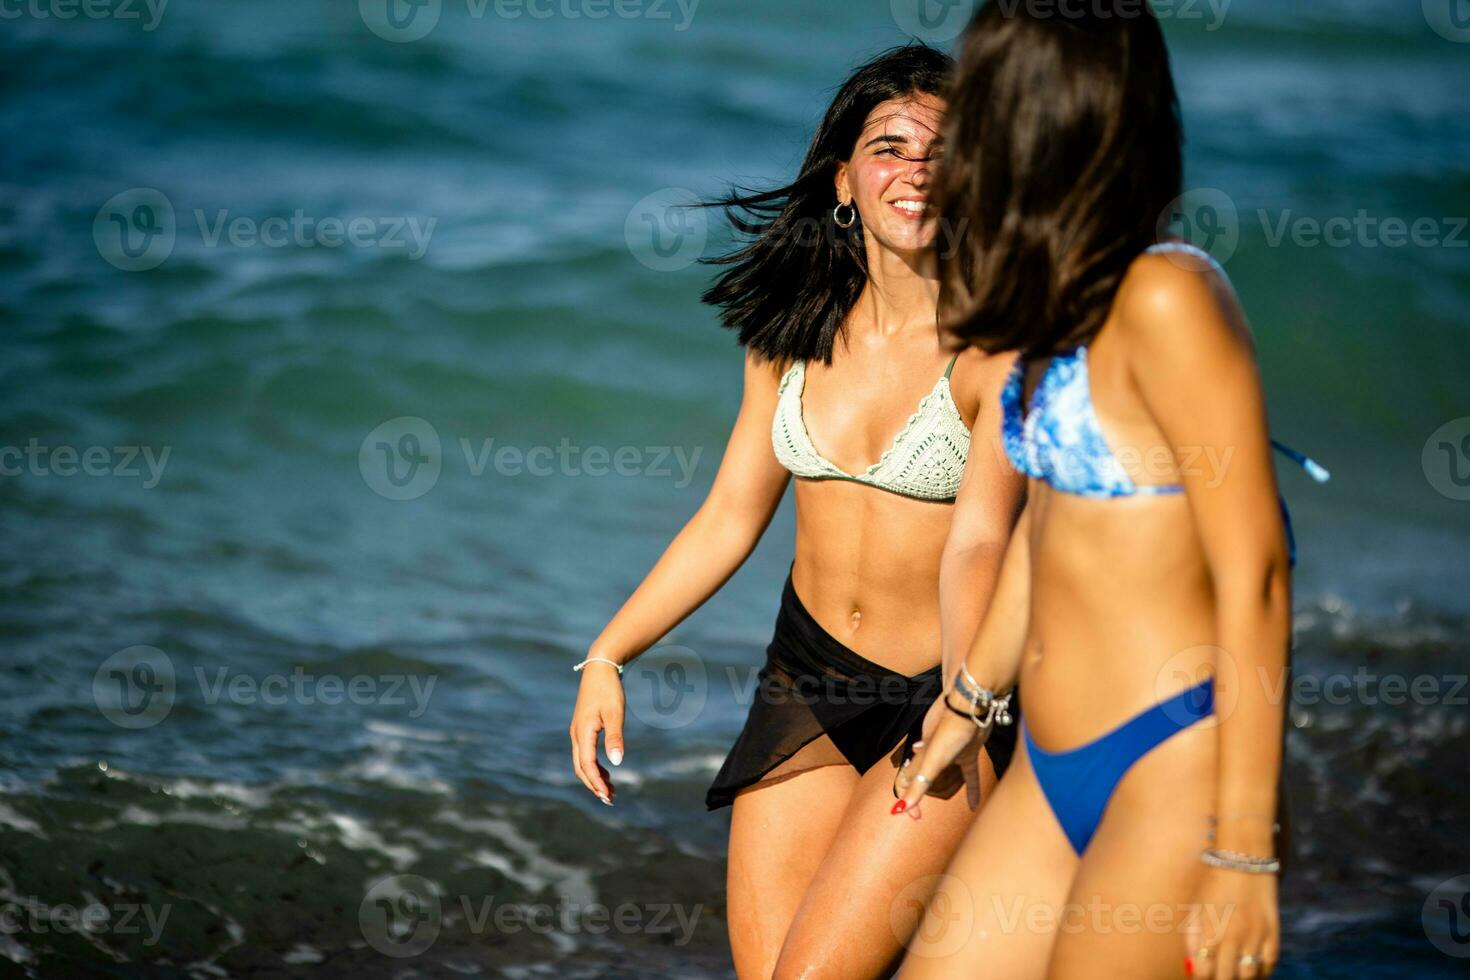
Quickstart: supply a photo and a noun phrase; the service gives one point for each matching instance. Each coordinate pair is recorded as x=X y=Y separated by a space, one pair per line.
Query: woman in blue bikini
x=1144 y=602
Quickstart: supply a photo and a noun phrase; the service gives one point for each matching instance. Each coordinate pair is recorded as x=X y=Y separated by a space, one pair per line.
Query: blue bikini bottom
x=1079 y=783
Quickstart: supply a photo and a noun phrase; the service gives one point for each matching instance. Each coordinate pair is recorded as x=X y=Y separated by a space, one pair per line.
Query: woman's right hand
x=600 y=707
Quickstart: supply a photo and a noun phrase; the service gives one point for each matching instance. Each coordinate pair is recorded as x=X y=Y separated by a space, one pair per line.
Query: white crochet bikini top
x=925 y=461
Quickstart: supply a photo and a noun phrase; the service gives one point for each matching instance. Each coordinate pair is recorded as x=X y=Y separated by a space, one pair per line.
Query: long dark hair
x=792 y=283
x=1063 y=150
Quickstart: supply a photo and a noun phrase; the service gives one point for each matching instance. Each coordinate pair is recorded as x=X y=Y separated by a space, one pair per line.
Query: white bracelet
x=599 y=660
x=1234 y=861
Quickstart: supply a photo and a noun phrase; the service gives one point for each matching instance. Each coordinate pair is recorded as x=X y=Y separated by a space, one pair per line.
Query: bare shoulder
x=1176 y=304
x=980 y=377
x=763 y=374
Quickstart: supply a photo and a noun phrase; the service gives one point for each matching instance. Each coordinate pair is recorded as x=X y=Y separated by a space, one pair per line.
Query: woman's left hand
x=1235 y=932
x=964 y=770
x=951 y=739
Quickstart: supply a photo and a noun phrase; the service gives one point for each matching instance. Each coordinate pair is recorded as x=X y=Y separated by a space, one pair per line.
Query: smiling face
x=887 y=178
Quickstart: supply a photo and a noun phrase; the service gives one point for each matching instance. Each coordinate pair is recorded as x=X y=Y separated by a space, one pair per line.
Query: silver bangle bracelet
x=1233 y=861
x=599 y=660
x=986 y=707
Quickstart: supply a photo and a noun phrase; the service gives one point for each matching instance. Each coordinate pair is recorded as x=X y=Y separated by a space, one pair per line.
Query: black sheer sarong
x=813 y=686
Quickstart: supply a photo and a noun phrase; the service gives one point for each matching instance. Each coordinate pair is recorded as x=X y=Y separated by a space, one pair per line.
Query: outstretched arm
x=702 y=557
x=715 y=542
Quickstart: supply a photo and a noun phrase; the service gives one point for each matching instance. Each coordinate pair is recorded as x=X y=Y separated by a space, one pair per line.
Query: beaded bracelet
x=1234 y=861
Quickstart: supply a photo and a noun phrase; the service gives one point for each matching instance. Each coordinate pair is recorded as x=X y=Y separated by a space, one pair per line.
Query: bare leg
x=1128 y=903
x=778 y=835
x=994 y=913
x=865 y=900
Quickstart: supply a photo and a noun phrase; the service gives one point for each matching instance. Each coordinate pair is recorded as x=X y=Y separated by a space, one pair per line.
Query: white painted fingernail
x=615 y=756
x=605 y=800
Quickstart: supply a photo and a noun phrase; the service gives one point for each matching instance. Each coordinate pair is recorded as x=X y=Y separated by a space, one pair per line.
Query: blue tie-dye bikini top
x=1058 y=439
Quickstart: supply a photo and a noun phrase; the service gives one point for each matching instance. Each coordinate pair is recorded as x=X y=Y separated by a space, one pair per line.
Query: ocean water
x=352 y=377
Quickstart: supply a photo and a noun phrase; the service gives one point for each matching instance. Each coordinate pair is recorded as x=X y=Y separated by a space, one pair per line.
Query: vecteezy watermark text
x=403 y=458
x=1100 y=917
x=38 y=917
x=594 y=918
x=137 y=230
x=568 y=459
x=137 y=688
x=407 y=234
x=1363 y=230
x=402 y=916
x=1208 y=218
x=1212 y=12
x=1369 y=688
x=149 y=13
x=941 y=21
x=35 y=459
x=404 y=21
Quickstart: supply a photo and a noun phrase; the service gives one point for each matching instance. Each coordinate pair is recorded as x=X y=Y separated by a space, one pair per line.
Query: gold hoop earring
x=851 y=216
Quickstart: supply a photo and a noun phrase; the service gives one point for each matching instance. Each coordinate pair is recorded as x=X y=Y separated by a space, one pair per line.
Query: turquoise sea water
x=256 y=260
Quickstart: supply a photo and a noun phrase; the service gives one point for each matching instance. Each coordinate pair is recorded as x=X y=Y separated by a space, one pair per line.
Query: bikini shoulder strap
x=1188 y=248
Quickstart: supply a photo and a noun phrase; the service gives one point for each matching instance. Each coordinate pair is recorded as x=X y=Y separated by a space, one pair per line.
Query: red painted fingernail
x=1189 y=967
x=899 y=807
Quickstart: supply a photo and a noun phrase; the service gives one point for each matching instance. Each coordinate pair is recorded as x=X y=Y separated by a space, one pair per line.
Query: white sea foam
x=303 y=953
x=15 y=821
x=383 y=768
x=522 y=860
x=393 y=730
x=354 y=834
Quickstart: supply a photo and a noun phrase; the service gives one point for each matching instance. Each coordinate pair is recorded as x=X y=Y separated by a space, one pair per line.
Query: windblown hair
x=795 y=277
x=1063 y=153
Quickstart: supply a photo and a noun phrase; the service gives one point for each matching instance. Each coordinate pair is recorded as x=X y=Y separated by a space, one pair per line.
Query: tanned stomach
x=1122 y=613
x=867 y=569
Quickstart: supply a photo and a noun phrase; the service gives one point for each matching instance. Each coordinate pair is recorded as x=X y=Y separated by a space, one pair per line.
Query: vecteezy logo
x=134 y=688
x=400 y=916
x=667 y=687
x=400 y=21
x=933 y=915
x=401 y=459
x=1446 y=917
x=934 y=21
x=1449 y=18
x=1181 y=687
x=135 y=230
x=1446 y=459
x=666 y=230
x=1206 y=218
